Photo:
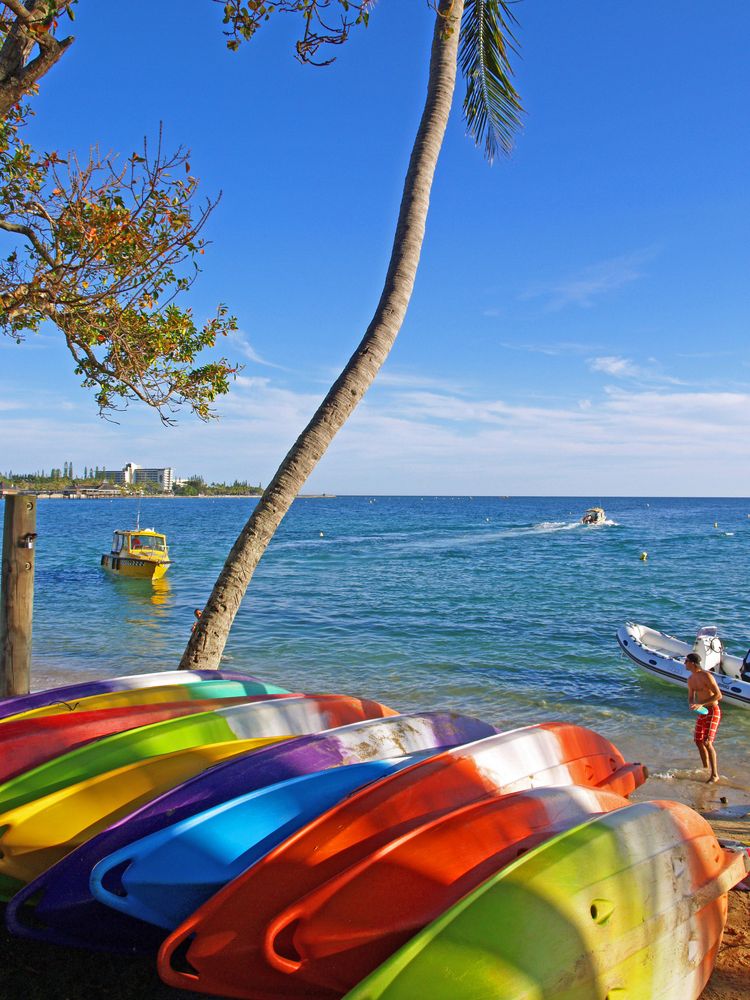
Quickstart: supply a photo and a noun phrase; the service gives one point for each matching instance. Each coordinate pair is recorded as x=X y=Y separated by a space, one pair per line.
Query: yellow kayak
x=36 y=835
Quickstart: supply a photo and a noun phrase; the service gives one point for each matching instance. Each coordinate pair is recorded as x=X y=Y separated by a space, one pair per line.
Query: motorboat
x=664 y=656
x=141 y=554
x=594 y=515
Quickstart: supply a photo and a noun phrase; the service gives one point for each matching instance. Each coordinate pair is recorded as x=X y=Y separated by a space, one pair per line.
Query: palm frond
x=492 y=108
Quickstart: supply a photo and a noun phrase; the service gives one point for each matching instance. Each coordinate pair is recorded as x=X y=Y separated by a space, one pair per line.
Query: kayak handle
x=106 y=880
x=271 y=943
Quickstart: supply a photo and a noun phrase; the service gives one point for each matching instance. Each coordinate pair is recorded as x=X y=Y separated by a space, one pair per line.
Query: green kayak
x=628 y=906
x=275 y=717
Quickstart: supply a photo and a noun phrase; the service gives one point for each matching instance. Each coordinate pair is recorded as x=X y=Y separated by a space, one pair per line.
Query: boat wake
x=412 y=541
x=547 y=526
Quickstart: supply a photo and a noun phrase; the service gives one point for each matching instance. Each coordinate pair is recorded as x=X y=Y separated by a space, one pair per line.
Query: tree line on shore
x=56 y=482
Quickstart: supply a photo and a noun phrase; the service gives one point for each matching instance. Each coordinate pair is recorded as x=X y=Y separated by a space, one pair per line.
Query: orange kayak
x=221 y=948
x=328 y=938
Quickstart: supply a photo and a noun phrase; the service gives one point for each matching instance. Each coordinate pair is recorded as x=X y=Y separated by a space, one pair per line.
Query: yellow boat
x=141 y=554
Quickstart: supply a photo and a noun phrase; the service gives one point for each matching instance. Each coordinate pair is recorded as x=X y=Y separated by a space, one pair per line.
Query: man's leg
x=712 y=763
x=703 y=752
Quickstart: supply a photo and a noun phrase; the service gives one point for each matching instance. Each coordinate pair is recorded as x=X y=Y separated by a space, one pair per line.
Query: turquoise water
x=506 y=609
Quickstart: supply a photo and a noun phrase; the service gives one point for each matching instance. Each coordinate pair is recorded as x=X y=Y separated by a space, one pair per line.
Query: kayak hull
x=64 y=910
x=631 y=904
x=239 y=916
x=72 y=692
x=329 y=939
x=31 y=742
x=164 y=878
x=153 y=695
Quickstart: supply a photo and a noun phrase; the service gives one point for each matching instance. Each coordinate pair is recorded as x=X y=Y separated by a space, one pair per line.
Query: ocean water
x=501 y=608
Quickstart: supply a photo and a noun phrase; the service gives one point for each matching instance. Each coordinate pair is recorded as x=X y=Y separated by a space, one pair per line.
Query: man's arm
x=714 y=696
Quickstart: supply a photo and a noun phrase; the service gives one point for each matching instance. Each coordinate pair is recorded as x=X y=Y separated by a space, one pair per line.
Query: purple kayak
x=58 y=906
x=71 y=692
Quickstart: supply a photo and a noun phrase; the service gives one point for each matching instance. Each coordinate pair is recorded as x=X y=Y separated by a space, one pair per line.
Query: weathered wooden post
x=17 y=594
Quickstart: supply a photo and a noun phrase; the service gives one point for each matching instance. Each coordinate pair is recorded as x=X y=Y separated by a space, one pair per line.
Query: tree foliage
x=103 y=249
x=244 y=17
x=492 y=108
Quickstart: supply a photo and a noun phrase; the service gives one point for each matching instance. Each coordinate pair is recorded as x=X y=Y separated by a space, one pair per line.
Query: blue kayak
x=166 y=876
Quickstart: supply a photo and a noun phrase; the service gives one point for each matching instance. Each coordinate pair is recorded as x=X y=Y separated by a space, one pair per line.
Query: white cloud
x=624 y=368
x=591 y=282
x=619 y=367
x=410 y=380
x=239 y=342
x=630 y=439
x=554 y=349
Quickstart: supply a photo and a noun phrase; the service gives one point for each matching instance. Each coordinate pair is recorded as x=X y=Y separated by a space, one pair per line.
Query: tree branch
x=14 y=227
x=22 y=12
x=14 y=86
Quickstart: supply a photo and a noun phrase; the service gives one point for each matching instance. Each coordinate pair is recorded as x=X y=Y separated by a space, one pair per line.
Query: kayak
x=31 y=742
x=163 y=878
x=148 y=696
x=222 y=944
x=37 y=834
x=58 y=906
x=301 y=714
x=327 y=938
x=630 y=904
x=72 y=692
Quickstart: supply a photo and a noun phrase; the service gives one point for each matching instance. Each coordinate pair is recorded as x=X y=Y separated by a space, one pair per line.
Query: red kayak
x=223 y=947
x=29 y=742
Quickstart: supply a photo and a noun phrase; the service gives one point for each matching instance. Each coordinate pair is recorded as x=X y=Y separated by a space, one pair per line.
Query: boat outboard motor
x=709 y=647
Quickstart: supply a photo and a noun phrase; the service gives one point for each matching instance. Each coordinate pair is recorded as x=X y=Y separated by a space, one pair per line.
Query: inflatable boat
x=664 y=656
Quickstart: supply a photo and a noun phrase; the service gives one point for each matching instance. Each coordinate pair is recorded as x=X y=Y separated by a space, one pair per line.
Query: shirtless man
x=703 y=690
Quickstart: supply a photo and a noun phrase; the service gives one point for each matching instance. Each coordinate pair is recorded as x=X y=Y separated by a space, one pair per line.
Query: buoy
x=643 y=556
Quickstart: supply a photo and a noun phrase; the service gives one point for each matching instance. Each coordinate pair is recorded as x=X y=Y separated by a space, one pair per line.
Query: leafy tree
x=29 y=47
x=477 y=35
x=103 y=248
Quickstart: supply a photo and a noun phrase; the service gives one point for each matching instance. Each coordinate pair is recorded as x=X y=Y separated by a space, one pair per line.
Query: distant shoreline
x=165 y=496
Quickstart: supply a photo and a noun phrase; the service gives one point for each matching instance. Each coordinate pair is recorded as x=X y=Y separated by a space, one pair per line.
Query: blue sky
x=579 y=323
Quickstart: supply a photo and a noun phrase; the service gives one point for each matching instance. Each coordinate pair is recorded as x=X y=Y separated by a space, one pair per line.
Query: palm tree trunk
x=209 y=638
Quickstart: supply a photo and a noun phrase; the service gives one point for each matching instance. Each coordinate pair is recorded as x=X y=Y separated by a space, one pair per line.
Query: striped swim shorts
x=706 y=725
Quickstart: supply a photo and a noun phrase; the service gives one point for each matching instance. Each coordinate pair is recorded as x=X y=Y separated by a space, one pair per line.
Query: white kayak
x=664 y=656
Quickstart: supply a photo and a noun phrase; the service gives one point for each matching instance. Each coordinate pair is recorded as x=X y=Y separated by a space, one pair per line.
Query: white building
x=133 y=474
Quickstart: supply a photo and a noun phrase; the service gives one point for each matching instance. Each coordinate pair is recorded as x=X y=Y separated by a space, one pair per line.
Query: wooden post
x=17 y=594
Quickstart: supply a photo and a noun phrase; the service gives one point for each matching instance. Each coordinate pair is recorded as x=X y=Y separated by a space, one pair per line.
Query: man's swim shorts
x=706 y=725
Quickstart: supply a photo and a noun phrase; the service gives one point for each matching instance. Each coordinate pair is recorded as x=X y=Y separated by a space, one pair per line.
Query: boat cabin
x=143 y=542
x=594 y=515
